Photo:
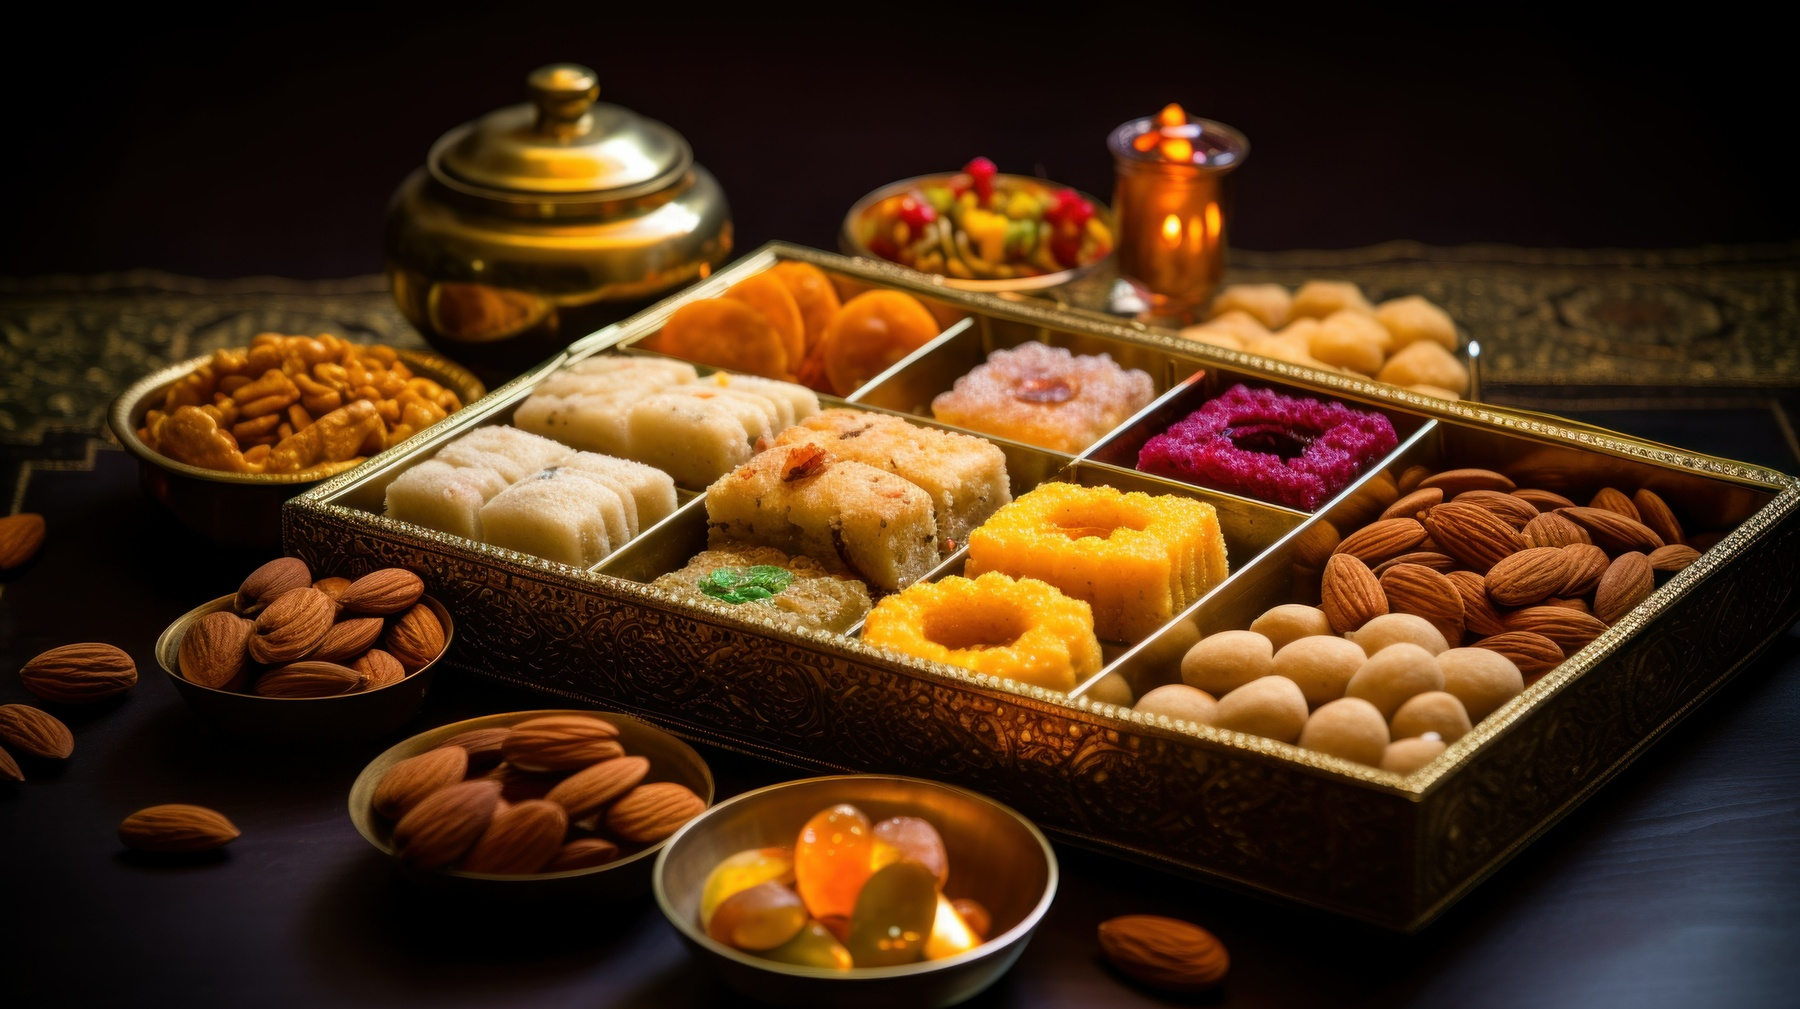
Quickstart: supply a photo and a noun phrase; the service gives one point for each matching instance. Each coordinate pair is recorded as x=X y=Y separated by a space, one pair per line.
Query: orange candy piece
x=762 y=917
x=832 y=860
x=874 y=330
x=767 y=294
x=812 y=291
x=913 y=839
x=725 y=333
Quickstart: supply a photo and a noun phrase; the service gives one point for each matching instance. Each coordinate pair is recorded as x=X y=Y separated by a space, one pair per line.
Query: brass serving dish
x=996 y=857
x=309 y=721
x=1237 y=809
x=621 y=879
x=541 y=222
x=239 y=509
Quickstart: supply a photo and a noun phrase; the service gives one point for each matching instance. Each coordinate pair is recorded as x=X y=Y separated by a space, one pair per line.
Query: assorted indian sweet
x=1136 y=559
x=1045 y=396
x=294 y=404
x=1331 y=324
x=980 y=225
x=517 y=490
x=1020 y=629
x=662 y=413
x=795 y=591
x=1290 y=450
x=850 y=893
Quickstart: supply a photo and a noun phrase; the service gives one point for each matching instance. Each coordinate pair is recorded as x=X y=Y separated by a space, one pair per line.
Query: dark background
x=268 y=142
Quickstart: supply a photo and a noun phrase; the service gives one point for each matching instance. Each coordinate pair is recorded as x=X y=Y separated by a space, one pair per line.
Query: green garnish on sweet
x=746 y=585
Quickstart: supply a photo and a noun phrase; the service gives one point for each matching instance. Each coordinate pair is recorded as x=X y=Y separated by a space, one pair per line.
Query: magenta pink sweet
x=1256 y=442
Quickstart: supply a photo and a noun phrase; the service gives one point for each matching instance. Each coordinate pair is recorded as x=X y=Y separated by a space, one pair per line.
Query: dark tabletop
x=267 y=143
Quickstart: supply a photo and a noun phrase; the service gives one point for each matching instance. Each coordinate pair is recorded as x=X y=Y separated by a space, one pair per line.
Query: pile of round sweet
x=1392 y=694
x=1331 y=325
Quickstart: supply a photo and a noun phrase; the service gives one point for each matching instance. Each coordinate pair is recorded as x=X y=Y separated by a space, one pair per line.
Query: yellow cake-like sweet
x=1137 y=559
x=1021 y=629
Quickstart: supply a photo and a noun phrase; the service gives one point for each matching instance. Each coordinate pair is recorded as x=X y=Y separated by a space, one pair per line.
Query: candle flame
x=1172 y=115
x=1177 y=149
x=1146 y=141
x=1213 y=221
x=1171 y=230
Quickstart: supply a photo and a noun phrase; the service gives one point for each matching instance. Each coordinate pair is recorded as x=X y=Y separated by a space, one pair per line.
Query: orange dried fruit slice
x=812 y=291
x=874 y=330
x=725 y=333
x=768 y=295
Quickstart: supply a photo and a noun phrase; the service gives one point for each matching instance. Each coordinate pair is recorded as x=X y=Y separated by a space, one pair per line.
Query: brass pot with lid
x=541 y=222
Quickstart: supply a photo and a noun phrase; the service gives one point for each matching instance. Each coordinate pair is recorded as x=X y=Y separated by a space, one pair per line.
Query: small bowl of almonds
x=288 y=658
x=531 y=805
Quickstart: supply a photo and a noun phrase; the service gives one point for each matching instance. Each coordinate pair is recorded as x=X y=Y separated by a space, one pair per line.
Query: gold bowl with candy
x=223 y=440
x=799 y=894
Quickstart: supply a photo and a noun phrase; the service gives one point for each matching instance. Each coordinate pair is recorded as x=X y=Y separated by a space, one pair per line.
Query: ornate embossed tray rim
x=1398 y=886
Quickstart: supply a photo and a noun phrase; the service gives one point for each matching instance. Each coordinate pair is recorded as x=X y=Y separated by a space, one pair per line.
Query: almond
x=309 y=679
x=652 y=812
x=1515 y=510
x=582 y=853
x=20 y=537
x=1479 y=614
x=1350 y=595
x=1455 y=481
x=585 y=791
x=1417 y=589
x=416 y=638
x=1530 y=651
x=271 y=581
x=1529 y=576
x=1412 y=505
x=1578 y=605
x=482 y=745
x=1626 y=583
x=1380 y=540
x=383 y=592
x=446 y=823
x=407 y=783
x=1585 y=564
x=1614 y=500
x=1472 y=534
x=176 y=829
x=517 y=785
x=560 y=743
x=1543 y=500
x=1409 y=481
x=1570 y=629
x=1673 y=557
x=292 y=625
x=333 y=587
x=1441 y=563
x=35 y=733
x=1654 y=512
x=1164 y=953
x=1553 y=530
x=522 y=839
x=9 y=768
x=380 y=668
x=80 y=674
x=1613 y=532
x=213 y=651
x=1314 y=544
x=348 y=638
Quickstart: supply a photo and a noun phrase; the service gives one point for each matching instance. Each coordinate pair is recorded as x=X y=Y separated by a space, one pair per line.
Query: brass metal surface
x=1240 y=810
x=300 y=721
x=621 y=879
x=997 y=857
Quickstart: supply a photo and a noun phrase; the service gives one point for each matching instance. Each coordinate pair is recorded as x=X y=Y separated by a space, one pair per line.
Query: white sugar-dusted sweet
x=604 y=373
x=593 y=422
x=440 y=496
x=695 y=441
x=554 y=518
x=651 y=490
x=508 y=451
x=616 y=507
x=795 y=402
x=759 y=416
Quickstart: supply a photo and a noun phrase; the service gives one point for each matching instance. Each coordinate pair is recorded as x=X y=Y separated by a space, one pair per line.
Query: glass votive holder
x=1173 y=208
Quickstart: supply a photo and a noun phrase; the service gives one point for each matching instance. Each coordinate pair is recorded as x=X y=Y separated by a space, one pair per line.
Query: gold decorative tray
x=1238 y=809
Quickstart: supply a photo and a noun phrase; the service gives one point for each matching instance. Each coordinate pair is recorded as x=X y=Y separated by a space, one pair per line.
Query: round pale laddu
x=1481 y=679
x=1321 y=665
x=1394 y=675
x=1399 y=628
x=1350 y=340
x=1404 y=756
x=1269 y=304
x=1179 y=701
x=1238 y=323
x=1348 y=727
x=1110 y=689
x=1212 y=337
x=1223 y=662
x=1433 y=711
x=1412 y=318
x=1317 y=299
x=1272 y=706
x=1425 y=363
x=1290 y=622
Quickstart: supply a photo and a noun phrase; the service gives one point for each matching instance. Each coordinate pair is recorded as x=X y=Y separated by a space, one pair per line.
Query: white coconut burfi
x=440 y=496
x=557 y=516
x=652 y=491
x=508 y=451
